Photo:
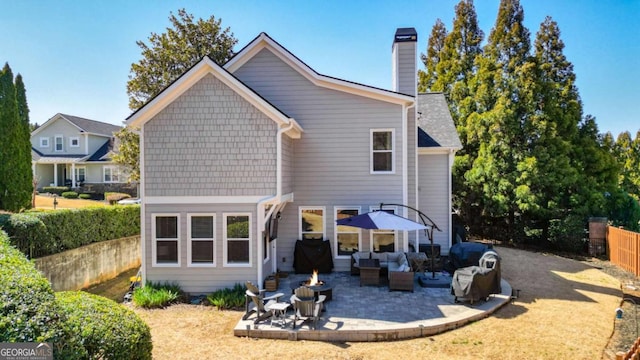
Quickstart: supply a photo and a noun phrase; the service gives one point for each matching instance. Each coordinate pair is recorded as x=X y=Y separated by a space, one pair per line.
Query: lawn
x=46 y=202
x=565 y=311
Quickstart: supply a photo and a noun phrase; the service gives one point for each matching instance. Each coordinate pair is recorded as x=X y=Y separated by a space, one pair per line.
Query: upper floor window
x=74 y=142
x=44 y=142
x=166 y=239
x=312 y=223
x=59 y=143
x=111 y=174
x=237 y=239
x=382 y=150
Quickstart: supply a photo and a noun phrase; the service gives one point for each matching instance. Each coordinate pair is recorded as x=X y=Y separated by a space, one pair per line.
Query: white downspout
x=405 y=169
x=260 y=216
x=143 y=208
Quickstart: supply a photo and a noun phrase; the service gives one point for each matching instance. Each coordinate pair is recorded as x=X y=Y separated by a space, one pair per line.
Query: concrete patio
x=373 y=313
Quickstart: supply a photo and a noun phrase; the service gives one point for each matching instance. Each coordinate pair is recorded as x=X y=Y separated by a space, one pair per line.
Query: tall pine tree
x=24 y=173
x=428 y=76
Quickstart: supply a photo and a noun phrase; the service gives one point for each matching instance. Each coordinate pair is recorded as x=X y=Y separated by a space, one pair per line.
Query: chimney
x=404 y=61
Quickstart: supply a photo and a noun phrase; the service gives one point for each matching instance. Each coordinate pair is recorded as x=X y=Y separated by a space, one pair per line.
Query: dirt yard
x=565 y=311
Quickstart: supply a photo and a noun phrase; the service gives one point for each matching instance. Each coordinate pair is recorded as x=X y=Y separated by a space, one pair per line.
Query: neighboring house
x=72 y=151
x=239 y=161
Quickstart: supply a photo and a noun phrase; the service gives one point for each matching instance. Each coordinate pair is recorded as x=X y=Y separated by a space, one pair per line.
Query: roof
x=265 y=41
x=99 y=155
x=84 y=125
x=436 y=127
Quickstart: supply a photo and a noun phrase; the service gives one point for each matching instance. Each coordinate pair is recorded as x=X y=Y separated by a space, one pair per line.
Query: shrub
x=229 y=298
x=70 y=195
x=102 y=329
x=114 y=197
x=44 y=233
x=155 y=295
x=28 y=308
x=85 y=196
x=568 y=234
x=58 y=190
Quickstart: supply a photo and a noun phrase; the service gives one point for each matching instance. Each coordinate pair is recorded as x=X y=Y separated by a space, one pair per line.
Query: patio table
x=369 y=271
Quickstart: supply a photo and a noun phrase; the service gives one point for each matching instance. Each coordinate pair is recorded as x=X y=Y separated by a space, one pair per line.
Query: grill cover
x=312 y=255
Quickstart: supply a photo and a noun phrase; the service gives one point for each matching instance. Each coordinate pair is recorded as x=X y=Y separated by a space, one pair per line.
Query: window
x=80 y=174
x=237 y=239
x=111 y=174
x=74 y=142
x=347 y=237
x=166 y=241
x=383 y=240
x=44 y=142
x=201 y=235
x=382 y=151
x=59 y=143
x=311 y=223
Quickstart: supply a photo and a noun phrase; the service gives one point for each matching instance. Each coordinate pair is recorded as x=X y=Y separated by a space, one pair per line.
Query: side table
x=279 y=313
x=369 y=271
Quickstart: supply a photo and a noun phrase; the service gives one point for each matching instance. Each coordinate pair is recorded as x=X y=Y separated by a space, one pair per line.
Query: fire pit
x=319 y=287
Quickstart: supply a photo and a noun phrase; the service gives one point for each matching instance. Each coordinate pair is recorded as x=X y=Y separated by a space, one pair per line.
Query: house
x=72 y=151
x=241 y=160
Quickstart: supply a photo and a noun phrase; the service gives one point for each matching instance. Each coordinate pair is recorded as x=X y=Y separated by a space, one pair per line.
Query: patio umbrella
x=381 y=220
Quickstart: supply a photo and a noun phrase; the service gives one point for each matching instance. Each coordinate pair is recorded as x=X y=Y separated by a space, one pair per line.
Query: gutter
x=405 y=165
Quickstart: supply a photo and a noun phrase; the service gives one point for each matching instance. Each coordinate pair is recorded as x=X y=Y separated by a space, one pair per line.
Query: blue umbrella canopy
x=381 y=220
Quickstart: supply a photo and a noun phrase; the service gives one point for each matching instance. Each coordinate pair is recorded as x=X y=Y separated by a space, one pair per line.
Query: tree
x=173 y=52
x=427 y=77
x=128 y=155
x=15 y=152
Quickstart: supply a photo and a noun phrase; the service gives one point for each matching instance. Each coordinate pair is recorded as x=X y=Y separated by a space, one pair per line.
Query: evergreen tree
x=23 y=171
x=13 y=149
x=173 y=52
x=627 y=151
x=427 y=77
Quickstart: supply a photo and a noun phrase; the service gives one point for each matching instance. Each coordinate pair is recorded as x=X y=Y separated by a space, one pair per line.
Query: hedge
x=102 y=329
x=58 y=190
x=44 y=233
x=70 y=195
x=28 y=308
x=114 y=197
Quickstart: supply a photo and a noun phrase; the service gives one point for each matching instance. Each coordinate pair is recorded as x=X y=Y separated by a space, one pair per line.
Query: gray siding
x=411 y=159
x=44 y=175
x=287 y=164
x=198 y=280
x=433 y=196
x=332 y=158
x=210 y=142
x=59 y=127
x=405 y=60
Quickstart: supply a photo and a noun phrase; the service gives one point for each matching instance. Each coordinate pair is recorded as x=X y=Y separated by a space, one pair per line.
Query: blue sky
x=75 y=56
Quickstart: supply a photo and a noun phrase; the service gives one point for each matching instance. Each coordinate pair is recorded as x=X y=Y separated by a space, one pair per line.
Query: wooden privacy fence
x=624 y=249
x=632 y=354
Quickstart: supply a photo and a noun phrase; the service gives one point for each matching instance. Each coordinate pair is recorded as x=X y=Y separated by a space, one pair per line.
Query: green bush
x=85 y=196
x=28 y=308
x=58 y=190
x=43 y=233
x=114 y=197
x=229 y=298
x=102 y=329
x=70 y=195
x=155 y=295
x=568 y=234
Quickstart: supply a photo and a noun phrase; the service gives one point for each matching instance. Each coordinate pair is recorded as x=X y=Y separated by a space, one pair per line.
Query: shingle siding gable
x=210 y=142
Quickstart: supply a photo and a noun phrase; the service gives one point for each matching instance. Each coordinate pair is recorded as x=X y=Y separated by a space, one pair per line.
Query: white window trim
x=395 y=232
x=55 y=143
x=355 y=230
x=190 y=240
x=104 y=174
x=44 y=140
x=77 y=169
x=77 y=139
x=393 y=151
x=225 y=262
x=324 y=219
x=154 y=249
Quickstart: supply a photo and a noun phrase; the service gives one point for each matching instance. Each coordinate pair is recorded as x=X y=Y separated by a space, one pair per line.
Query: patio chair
x=306 y=307
x=256 y=302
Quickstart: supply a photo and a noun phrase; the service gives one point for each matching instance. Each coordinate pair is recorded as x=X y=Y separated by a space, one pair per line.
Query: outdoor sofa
x=398 y=270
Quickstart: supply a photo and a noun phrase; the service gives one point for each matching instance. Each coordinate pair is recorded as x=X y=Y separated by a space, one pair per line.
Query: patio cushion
x=380 y=256
x=360 y=255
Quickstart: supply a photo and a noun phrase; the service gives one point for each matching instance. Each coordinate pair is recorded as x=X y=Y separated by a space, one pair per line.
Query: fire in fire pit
x=313 y=280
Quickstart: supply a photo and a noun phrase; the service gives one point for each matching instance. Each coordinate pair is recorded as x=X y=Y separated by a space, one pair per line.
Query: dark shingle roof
x=102 y=151
x=436 y=127
x=93 y=126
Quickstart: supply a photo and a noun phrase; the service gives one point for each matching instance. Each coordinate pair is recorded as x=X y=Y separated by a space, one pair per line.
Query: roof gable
x=264 y=41
x=191 y=77
x=83 y=125
x=435 y=124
